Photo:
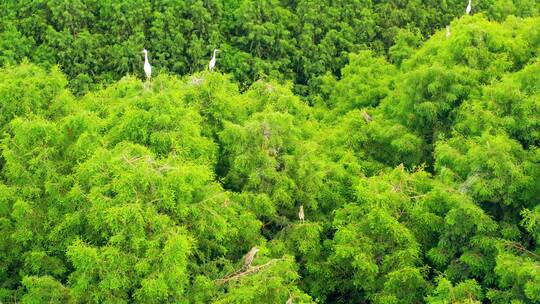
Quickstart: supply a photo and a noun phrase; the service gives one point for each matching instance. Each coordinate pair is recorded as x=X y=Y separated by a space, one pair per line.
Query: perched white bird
x=289 y=301
x=147 y=66
x=469 y=8
x=447 y=31
x=212 y=62
x=249 y=257
x=301 y=214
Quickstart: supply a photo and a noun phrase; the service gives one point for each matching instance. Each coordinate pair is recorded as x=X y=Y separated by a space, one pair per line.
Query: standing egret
x=301 y=214
x=147 y=66
x=447 y=31
x=469 y=8
x=289 y=301
x=249 y=257
x=212 y=62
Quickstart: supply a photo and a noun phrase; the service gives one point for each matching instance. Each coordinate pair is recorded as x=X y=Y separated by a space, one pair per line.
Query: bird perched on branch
x=469 y=8
x=366 y=116
x=147 y=69
x=301 y=214
x=289 y=301
x=249 y=257
x=212 y=62
x=266 y=132
x=147 y=66
x=447 y=31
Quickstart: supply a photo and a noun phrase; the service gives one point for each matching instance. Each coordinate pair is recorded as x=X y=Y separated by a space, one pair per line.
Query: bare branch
x=522 y=249
x=250 y=270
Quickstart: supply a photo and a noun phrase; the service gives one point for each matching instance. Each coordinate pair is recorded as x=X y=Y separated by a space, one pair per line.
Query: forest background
x=412 y=149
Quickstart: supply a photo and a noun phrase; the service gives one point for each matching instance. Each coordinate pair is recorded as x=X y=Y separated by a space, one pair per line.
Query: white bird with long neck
x=447 y=31
x=147 y=66
x=212 y=62
x=469 y=8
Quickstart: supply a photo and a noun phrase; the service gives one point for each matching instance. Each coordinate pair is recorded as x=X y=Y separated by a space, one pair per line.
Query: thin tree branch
x=250 y=270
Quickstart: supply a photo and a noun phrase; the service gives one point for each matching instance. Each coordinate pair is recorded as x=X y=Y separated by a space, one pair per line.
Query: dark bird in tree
x=266 y=132
x=249 y=257
x=366 y=116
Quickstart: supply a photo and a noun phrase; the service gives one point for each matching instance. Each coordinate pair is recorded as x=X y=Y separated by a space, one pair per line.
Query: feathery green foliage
x=414 y=156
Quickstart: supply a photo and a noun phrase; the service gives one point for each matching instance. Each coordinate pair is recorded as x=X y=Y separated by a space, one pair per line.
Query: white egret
x=289 y=301
x=447 y=31
x=212 y=62
x=469 y=8
x=301 y=214
x=249 y=257
x=147 y=66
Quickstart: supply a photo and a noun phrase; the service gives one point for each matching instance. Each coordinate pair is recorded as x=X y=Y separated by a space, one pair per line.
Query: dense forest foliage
x=99 y=41
x=412 y=151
